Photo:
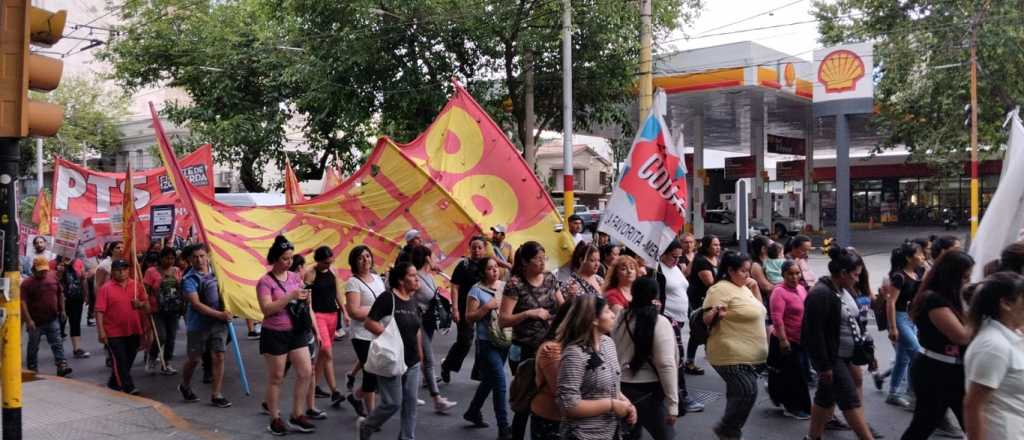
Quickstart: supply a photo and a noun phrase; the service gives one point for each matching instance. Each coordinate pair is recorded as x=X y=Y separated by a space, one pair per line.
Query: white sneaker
x=442 y=404
x=420 y=402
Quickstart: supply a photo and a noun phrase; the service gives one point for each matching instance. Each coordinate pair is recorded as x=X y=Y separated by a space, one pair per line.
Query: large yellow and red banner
x=459 y=178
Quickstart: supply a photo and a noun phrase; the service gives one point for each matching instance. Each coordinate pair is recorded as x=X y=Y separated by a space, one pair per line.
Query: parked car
x=722 y=224
x=591 y=217
x=783 y=226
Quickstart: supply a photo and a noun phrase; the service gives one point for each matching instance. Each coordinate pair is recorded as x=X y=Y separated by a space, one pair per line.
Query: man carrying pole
x=206 y=324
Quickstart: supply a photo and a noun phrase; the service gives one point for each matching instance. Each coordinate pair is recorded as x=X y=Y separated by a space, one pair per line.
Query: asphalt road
x=244 y=420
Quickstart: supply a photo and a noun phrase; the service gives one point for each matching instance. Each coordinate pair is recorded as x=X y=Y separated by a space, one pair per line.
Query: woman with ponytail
x=994 y=363
x=904 y=279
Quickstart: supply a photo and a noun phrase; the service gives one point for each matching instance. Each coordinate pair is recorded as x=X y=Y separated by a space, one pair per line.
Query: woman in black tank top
x=327 y=300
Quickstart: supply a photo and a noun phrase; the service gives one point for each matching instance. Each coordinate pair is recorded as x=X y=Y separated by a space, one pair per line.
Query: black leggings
x=938 y=386
x=651 y=412
x=74 y=307
x=362 y=349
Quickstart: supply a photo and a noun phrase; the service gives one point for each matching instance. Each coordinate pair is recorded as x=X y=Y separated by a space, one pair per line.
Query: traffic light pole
x=10 y=368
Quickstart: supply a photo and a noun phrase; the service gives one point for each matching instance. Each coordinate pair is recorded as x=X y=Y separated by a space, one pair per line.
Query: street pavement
x=244 y=418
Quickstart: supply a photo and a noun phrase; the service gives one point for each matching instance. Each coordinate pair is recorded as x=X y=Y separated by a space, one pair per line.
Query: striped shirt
x=585 y=375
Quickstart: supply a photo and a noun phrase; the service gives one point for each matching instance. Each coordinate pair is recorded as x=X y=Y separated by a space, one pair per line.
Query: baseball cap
x=119 y=264
x=499 y=228
x=412 y=234
x=40 y=263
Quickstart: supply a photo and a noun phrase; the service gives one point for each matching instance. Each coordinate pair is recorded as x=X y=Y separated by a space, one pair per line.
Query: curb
x=168 y=414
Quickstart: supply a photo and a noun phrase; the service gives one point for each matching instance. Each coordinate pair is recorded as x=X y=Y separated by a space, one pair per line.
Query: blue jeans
x=491 y=364
x=907 y=348
x=397 y=393
x=52 y=331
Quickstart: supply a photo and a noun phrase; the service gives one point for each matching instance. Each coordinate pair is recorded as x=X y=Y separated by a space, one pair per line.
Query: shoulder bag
x=386 y=356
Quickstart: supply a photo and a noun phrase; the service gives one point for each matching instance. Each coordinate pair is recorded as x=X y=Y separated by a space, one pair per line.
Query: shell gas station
x=751 y=112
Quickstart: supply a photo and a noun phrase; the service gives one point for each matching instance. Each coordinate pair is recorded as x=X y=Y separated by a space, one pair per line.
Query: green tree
x=92 y=110
x=922 y=78
x=260 y=73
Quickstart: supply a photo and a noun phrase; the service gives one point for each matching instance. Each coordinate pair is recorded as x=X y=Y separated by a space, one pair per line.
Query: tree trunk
x=529 y=146
x=247 y=173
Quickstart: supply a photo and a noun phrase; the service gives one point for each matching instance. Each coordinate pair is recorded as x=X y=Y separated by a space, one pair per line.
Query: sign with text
x=161 y=221
x=65 y=241
x=739 y=167
x=786 y=145
x=789 y=170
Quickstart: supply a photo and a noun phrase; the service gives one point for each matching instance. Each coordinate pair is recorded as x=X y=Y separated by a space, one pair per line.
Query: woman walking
x=830 y=335
x=649 y=359
x=938 y=374
x=531 y=298
x=361 y=291
x=163 y=285
x=398 y=392
x=618 y=285
x=326 y=299
x=737 y=342
x=545 y=416
x=423 y=259
x=74 y=301
x=904 y=278
x=588 y=377
x=491 y=348
x=995 y=379
x=702 y=276
x=280 y=292
x=786 y=383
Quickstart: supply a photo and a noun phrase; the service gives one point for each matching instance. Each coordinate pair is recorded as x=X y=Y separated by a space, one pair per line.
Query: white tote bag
x=386 y=356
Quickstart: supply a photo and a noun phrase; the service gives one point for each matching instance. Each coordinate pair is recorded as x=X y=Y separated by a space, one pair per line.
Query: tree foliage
x=922 y=59
x=92 y=110
x=263 y=73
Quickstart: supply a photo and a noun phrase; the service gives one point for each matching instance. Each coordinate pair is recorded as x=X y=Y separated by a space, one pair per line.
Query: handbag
x=386 y=356
x=499 y=336
x=298 y=311
x=863 y=346
x=439 y=312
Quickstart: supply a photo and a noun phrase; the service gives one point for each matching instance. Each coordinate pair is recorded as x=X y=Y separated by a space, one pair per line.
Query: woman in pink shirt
x=786 y=384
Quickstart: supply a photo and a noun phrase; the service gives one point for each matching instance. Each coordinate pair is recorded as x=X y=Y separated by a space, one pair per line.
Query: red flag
x=292 y=190
x=331 y=179
x=128 y=220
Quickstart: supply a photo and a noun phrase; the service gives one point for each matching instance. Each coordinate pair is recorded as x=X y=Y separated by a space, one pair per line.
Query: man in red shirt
x=42 y=306
x=118 y=323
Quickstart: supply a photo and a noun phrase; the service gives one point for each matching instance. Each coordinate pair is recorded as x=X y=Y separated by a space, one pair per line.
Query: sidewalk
x=58 y=408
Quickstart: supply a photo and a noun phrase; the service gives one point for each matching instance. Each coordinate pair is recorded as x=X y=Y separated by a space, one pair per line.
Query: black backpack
x=524 y=386
x=168 y=296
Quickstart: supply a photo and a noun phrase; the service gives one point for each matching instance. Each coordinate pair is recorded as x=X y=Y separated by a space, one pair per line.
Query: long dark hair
x=901 y=255
x=705 y=244
x=946 y=279
x=1001 y=286
x=758 y=244
x=418 y=256
x=581 y=253
x=524 y=254
x=731 y=261
x=109 y=250
x=644 y=314
x=842 y=260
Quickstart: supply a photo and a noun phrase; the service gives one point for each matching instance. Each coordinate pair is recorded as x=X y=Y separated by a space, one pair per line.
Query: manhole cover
x=704 y=397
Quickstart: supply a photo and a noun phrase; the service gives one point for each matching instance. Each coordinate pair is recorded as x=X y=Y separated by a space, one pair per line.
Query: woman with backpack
x=491 y=347
x=539 y=388
x=163 y=284
x=74 y=300
x=423 y=259
x=649 y=361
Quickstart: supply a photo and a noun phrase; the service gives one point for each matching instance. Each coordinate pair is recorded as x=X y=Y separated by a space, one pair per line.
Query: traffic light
x=21 y=70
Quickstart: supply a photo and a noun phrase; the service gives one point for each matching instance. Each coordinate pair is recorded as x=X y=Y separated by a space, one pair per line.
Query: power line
x=770 y=11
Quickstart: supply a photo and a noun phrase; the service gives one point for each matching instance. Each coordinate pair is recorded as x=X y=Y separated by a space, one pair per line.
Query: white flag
x=1004 y=218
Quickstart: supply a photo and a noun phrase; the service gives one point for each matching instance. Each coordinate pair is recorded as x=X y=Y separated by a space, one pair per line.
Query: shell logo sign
x=844 y=73
x=789 y=74
x=840 y=71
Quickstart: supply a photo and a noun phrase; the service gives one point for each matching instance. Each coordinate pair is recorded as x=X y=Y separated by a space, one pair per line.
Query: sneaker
x=835 y=424
x=693 y=406
x=277 y=426
x=879 y=380
x=253 y=335
x=339 y=335
x=693 y=369
x=897 y=400
x=420 y=402
x=320 y=393
x=168 y=371
x=948 y=430
x=63 y=370
x=363 y=432
x=220 y=402
x=350 y=381
x=446 y=376
x=336 y=399
x=442 y=404
x=316 y=414
x=301 y=424
x=799 y=415
x=357 y=405
x=476 y=420
x=189 y=396
x=90 y=322
x=266 y=409
x=81 y=354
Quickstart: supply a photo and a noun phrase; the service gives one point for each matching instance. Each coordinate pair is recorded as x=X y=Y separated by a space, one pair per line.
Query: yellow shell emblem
x=840 y=71
x=789 y=74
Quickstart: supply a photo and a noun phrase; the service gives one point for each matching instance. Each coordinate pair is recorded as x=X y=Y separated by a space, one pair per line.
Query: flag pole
x=238 y=359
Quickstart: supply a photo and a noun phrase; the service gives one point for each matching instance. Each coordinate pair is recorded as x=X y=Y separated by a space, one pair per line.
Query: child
x=773 y=265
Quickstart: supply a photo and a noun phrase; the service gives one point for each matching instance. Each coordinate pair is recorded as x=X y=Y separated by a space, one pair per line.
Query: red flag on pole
x=292 y=190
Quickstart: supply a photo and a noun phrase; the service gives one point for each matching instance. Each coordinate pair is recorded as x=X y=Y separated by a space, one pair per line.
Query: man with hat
x=119 y=325
x=42 y=305
x=412 y=240
x=500 y=248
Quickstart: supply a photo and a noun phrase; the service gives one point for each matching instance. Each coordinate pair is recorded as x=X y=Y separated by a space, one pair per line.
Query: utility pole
x=529 y=150
x=567 y=171
x=975 y=187
x=39 y=165
x=646 y=62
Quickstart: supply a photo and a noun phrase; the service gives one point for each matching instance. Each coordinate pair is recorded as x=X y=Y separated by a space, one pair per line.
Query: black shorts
x=362 y=349
x=842 y=390
x=277 y=342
